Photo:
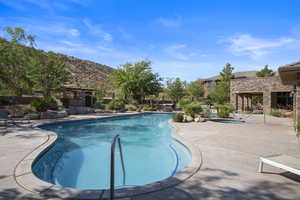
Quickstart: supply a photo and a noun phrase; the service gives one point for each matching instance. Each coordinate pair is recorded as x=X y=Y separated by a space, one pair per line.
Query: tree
x=265 y=72
x=47 y=71
x=15 y=60
x=100 y=91
x=137 y=81
x=194 y=90
x=175 y=89
x=220 y=94
x=226 y=73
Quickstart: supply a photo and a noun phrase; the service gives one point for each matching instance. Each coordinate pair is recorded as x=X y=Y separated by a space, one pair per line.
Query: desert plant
x=192 y=109
x=42 y=105
x=276 y=113
x=224 y=110
x=178 y=117
x=116 y=104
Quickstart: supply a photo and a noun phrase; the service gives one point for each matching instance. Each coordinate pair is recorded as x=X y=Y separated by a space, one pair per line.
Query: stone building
x=271 y=89
x=290 y=76
x=209 y=83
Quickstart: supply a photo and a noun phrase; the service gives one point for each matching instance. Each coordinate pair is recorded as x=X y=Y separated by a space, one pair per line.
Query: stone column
x=250 y=102
x=239 y=101
x=267 y=102
x=297 y=105
x=243 y=102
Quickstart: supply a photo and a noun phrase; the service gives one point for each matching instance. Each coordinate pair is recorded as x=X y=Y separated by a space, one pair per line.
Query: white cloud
x=254 y=47
x=74 y=32
x=179 y=51
x=70 y=44
x=96 y=29
x=170 y=22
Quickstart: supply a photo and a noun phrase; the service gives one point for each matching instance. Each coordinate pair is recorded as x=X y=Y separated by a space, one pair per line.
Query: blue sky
x=187 y=39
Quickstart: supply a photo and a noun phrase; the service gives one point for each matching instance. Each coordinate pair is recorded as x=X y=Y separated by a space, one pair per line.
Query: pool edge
x=25 y=178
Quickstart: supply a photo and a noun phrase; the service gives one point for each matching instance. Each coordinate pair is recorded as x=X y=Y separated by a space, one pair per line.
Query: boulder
x=288 y=114
x=166 y=108
x=258 y=112
x=200 y=119
x=32 y=116
x=53 y=114
x=187 y=118
x=75 y=110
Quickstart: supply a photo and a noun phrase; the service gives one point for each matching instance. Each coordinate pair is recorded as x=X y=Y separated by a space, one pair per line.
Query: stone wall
x=265 y=86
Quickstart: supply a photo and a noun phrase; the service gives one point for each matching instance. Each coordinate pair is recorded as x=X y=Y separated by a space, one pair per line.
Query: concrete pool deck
x=230 y=155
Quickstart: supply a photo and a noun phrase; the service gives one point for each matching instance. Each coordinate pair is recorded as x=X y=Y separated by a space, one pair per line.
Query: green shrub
x=178 y=117
x=183 y=102
x=224 y=110
x=276 y=113
x=116 y=104
x=42 y=105
x=192 y=109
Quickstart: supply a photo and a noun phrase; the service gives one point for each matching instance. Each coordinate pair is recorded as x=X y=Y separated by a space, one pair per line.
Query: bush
x=42 y=105
x=183 y=102
x=178 y=117
x=276 y=113
x=116 y=104
x=224 y=110
x=192 y=109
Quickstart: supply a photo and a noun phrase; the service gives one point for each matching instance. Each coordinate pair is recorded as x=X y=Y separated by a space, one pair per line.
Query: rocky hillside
x=86 y=74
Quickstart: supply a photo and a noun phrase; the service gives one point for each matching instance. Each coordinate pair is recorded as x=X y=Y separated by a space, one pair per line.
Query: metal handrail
x=112 y=165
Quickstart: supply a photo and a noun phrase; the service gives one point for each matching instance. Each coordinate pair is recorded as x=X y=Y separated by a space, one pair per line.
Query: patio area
x=229 y=152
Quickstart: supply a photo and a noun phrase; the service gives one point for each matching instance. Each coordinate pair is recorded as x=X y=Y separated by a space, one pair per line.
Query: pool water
x=80 y=158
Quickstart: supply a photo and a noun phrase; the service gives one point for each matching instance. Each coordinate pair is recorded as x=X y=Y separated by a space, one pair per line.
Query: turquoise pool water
x=80 y=158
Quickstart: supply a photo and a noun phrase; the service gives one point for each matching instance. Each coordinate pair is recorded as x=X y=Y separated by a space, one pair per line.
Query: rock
x=258 y=112
x=53 y=114
x=32 y=116
x=187 y=118
x=200 y=119
x=288 y=114
x=62 y=113
x=166 y=108
x=75 y=110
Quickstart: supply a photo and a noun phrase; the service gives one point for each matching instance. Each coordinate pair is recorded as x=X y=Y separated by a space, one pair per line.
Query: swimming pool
x=80 y=158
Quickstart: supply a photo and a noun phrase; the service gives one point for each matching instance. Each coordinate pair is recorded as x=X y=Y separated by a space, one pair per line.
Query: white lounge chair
x=284 y=162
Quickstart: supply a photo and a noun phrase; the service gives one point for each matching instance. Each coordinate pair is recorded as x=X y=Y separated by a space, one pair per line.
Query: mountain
x=86 y=74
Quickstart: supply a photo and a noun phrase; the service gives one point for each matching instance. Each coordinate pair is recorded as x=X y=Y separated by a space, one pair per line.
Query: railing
x=112 y=165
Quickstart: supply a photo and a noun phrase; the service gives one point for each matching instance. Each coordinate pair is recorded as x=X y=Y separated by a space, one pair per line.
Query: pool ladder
x=112 y=165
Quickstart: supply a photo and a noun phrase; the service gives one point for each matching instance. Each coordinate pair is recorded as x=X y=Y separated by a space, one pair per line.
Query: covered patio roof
x=290 y=74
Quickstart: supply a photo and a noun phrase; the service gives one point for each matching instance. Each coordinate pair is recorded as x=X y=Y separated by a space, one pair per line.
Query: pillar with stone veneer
x=267 y=102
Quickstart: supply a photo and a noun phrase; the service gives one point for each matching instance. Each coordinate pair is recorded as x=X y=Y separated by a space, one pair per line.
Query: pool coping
x=25 y=178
